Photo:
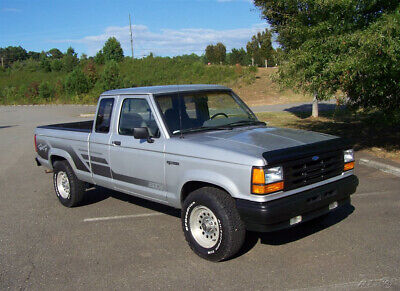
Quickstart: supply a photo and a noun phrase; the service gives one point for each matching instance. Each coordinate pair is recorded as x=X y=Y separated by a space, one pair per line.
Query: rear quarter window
x=103 y=118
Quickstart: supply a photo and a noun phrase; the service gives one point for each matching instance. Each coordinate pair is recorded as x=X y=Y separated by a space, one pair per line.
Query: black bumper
x=37 y=162
x=276 y=214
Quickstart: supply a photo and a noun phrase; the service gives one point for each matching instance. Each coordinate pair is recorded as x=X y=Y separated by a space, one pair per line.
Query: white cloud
x=169 y=42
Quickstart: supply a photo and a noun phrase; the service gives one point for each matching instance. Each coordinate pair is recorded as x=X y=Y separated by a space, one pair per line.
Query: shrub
x=99 y=58
x=45 y=91
x=76 y=82
x=9 y=95
x=45 y=65
x=32 y=65
x=32 y=92
x=56 y=65
x=110 y=79
x=91 y=72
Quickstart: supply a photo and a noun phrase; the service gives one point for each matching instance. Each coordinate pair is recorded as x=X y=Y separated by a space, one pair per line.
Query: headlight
x=266 y=180
x=348 y=157
x=273 y=175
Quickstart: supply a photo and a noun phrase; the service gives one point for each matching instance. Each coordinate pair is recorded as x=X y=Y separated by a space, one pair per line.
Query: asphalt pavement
x=115 y=241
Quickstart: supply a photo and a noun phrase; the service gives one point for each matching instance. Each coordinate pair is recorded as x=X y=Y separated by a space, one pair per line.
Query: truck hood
x=260 y=142
x=265 y=138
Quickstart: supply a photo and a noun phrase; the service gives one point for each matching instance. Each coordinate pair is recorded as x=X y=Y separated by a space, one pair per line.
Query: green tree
x=112 y=50
x=210 y=53
x=216 y=53
x=56 y=65
x=76 y=82
x=12 y=54
x=70 y=60
x=260 y=48
x=238 y=56
x=34 y=55
x=91 y=73
x=352 y=46
x=99 y=58
x=110 y=78
x=45 y=91
x=44 y=62
x=55 y=53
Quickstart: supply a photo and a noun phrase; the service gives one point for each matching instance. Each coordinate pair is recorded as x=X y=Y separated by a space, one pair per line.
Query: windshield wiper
x=202 y=128
x=244 y=122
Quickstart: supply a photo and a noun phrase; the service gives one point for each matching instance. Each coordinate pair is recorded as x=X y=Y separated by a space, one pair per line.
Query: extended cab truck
x=201 y=149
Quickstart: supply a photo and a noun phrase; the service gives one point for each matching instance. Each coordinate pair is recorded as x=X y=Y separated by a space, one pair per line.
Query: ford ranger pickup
x=199 y=148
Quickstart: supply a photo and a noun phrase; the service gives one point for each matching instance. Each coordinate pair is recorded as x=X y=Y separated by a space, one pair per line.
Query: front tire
x=212 y=225
x=69 y=189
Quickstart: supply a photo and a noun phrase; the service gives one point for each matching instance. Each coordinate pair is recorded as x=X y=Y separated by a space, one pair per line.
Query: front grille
x=312 y=169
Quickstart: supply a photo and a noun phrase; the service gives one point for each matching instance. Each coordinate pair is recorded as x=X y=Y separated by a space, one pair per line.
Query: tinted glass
x=137 y=113
x=103 y=119
x=201 y=110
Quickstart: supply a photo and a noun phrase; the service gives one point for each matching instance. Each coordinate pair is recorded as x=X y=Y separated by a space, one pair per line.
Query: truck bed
x=81 y=126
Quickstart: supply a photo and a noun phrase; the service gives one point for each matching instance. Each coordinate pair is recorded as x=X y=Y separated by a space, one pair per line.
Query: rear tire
x=212 y=225
x=69 y=189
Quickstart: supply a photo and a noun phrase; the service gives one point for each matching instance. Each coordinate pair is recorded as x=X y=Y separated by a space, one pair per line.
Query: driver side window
x=135 y=113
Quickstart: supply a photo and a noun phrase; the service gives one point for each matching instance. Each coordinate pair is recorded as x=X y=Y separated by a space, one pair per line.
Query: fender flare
x=61 y=153
x=209 y=177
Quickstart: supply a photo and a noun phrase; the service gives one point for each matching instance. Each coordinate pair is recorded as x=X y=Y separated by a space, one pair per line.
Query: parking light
x=266 y=180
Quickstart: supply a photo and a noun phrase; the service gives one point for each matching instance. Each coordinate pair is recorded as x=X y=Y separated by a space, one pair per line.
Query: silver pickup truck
x=200 y=149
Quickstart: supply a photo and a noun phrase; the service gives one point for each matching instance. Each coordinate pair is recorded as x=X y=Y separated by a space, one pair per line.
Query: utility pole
x=130 y=27
x=315 y=105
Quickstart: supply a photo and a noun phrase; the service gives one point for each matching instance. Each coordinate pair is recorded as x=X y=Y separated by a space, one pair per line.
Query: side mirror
x=142 y=133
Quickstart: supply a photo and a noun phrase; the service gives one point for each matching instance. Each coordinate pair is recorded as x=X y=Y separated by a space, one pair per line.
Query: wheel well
x=55 y=158
x=191 y=186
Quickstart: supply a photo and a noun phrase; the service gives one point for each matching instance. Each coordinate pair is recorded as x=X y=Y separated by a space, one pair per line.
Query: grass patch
x=367 y=130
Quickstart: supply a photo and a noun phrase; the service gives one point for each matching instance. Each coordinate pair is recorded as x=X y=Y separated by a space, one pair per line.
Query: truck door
x=99 y=143
x=137 y=166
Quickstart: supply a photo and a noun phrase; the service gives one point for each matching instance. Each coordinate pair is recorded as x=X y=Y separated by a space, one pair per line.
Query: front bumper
x=276 y=214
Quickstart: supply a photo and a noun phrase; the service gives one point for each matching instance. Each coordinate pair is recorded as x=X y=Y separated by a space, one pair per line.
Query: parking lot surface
x=116 y=241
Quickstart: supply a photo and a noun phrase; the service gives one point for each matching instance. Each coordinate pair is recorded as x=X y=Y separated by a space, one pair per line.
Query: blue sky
x=164 y=27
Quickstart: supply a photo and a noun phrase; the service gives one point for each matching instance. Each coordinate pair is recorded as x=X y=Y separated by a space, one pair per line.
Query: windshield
x=185 y=112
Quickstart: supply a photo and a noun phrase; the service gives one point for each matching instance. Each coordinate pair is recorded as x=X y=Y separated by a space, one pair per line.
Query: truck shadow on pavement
x=7 y=126
x=97 y=194
x=298 y=232
x=281 y=237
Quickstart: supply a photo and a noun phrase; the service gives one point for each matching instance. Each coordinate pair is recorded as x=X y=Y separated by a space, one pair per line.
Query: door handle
x=116 y=142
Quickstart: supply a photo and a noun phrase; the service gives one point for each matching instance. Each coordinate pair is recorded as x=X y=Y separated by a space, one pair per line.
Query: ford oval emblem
x=315 y=158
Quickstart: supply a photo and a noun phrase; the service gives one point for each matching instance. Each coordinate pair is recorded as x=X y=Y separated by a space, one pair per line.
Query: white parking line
x=381 y=167
x=372 y=193
x=121 y=217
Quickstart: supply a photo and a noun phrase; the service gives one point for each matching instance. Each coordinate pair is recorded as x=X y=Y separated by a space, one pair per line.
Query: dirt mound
x=264 y=91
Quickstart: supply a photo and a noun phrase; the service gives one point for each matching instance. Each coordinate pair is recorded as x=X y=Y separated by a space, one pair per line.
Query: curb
x=381 y=166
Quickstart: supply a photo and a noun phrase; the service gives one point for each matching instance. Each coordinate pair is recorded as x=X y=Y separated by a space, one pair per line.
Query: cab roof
x=165 y=89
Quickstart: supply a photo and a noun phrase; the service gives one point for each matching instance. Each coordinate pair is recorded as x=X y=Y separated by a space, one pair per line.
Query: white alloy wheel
x=63 y=185
x=204 y=226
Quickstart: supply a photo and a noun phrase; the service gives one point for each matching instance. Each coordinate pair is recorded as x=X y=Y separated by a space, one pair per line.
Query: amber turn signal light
x=258 y=176
x=266 y=189
x=348 y=166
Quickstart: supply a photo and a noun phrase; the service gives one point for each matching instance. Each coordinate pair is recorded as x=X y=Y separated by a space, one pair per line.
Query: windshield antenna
x=180 y=113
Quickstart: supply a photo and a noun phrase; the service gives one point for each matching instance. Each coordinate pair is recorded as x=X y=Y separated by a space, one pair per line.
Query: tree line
x=259 y=52
x=56 y=76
